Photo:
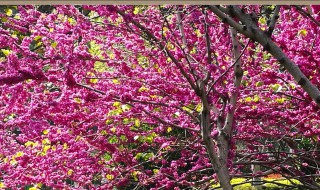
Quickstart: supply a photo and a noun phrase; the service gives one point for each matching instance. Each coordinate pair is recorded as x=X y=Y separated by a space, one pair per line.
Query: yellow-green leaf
x=113 y=129
x=111 y=55
x=100 y=66
x=9 y=12
x=103 y=132
x=77 y=100
x=39 y=185
x=93 y=80
x=45 y=149
x=303 y=32
x=262 y=20
x=33 y=188
x=143 y=89
x=72 y=21
x=137 y=122
x=46 y=141
x=134 y=175
x=37 y=38
x=70 y=171
x=45 y=132
x=248 y=99
x=19 y=154
x=186 y=109
x=153 y=96
x=2 y=186
x=109 y=177
x=136 y=10
x=6 y=52
x=170 y=46
x=108 y=121
x=193 y=51
x=28 y=143
x=198 y=33
x=280 y=100
x=199 y=108
x=115 y=81
x=65 y=146
x=259 y=83
x=54 y=44
x=276 y=87
x=116 y=104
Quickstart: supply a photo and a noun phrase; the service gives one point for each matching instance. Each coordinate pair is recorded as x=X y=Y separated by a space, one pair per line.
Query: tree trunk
x=257 y=183
x=219 y=164
x=224 y=177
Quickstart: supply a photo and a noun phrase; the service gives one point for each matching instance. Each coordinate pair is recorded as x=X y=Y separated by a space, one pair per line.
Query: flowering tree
x=157 y=97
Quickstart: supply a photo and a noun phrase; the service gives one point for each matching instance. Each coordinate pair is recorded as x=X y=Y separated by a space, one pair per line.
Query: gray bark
x=219 y=163
x=219 y=158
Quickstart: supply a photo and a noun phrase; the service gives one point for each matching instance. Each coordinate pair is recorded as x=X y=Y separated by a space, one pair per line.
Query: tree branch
x=274 y=20
x=162 y=46
x=255 y=33
x=232 y=65
x=304 y=13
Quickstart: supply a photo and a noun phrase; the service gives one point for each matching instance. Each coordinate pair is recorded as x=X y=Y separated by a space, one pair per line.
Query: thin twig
x=208 y=44
x=232 y=65
x=159 y=119
x=163 y=121
x=184 y=41
x=274 y=20
x=304 y=13
x=162 y=46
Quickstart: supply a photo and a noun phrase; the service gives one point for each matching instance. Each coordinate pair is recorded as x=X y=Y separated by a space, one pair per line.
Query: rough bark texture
x=219 y=156
x=219 y=162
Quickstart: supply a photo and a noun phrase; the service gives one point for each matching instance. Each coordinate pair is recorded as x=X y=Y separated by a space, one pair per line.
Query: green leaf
x=134 y=175
x=280 y=100
x=136 y=10
x=46 y=67
x=125 y=107
x=137 y=122
x=54 y=44
x=262 y=20
x=137 y=137
x=113 y=139
x=94 y=49
x=100 y=66
x=303 y=32
x=256 y=98
x=9 y=12
x=37 y=38
x=248 y=99
x=6 y=52
x=72 y=21
x=148 y=155
x=276 y=87
x=259 y=83
x=138 y=156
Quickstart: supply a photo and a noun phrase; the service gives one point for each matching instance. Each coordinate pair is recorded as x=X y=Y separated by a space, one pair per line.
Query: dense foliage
x=162 y=97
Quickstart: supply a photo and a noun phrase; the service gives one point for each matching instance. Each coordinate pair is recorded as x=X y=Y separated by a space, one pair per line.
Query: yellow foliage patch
x=302 y=32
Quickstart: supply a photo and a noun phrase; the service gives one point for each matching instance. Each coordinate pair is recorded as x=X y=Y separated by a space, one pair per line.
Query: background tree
x=157 y=97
